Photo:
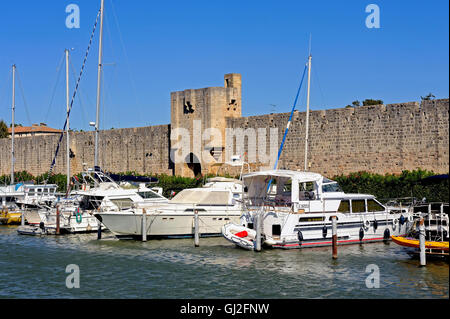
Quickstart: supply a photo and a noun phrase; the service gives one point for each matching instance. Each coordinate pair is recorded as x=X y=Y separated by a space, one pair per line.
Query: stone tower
x=198 y=121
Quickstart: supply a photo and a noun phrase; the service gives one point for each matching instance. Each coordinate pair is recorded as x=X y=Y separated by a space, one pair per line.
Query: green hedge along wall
x=384 y=187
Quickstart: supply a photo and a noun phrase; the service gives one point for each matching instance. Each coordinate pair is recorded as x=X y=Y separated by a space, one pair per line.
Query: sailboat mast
x=67 y=126
x=12 y=120
x=307 y=114
x=99 y=77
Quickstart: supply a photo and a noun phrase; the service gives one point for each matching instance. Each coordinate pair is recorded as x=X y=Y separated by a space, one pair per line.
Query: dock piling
x=422 y=242
x=334 y=233
x=57 y=220
x=258 y=231
x=99 y=231
x=22 y=217
x=144 y=225
x=196 y=229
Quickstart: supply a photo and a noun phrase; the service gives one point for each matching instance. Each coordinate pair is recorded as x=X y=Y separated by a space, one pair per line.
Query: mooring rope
x=73 y=98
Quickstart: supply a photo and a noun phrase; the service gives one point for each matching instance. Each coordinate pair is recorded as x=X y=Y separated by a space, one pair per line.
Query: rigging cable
x=83 y=113
x=287 y=126
x=58 y=73
x=23 y=97
x=127 y=61
x=73 y=97
x=7 y=88
x=318 y=85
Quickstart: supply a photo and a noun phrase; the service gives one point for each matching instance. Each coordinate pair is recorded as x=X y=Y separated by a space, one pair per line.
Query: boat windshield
x=331 y=187
x=149 y=194
x=90 y=202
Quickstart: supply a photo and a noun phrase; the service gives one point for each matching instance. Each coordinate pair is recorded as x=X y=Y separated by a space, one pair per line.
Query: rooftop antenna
x=99 y=78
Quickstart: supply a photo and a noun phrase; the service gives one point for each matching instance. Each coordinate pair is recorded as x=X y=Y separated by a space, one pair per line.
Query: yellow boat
x=10 y=218
x=411 y=242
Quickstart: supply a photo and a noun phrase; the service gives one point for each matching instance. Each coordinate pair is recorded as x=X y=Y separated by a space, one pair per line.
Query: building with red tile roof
x=34 y=130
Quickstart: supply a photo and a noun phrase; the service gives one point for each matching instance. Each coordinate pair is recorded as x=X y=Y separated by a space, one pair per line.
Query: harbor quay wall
x=380 y=139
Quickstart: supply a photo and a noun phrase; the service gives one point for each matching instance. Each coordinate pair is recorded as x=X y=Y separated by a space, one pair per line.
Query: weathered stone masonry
x=381 y=139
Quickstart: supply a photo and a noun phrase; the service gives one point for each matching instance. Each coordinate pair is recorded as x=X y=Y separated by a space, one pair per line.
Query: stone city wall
x=380 y=139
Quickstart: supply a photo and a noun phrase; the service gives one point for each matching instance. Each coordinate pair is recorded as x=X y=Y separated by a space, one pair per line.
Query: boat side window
x=10 y=199
x=373 y=206
x=358 y=206
x=344 y=207
x=306 y=191
x=31 y=192
x=39 y=190
x=308 y=186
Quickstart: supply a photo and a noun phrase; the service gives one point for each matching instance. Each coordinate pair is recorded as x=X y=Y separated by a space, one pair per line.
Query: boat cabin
x=304 y=192
x=28 y=194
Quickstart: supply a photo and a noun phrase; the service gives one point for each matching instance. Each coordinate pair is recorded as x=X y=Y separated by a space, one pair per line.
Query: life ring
x=78 y=217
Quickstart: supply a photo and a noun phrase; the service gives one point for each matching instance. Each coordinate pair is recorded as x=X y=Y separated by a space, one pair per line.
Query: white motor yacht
x=96 y=191
x=295 y=210
x=27 y=198
x=219 y=201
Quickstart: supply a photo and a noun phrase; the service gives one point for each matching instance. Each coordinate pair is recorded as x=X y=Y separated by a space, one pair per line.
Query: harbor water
x=35 y=267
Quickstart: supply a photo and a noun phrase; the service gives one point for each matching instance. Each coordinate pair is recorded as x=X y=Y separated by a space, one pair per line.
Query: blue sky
x=152 y=48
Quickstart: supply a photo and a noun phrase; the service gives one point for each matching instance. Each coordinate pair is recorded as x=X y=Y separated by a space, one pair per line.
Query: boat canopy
x=132 y=178
x=301 y=177
x=284 y=183
x=434 y=179
x=222 y=179
x=202 y=197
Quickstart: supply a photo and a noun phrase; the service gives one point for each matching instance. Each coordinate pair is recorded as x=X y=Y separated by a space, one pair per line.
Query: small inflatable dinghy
x=239 y=235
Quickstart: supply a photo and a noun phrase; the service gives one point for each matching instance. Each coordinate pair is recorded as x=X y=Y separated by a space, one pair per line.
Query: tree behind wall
x=3 y=129
x=372 y=102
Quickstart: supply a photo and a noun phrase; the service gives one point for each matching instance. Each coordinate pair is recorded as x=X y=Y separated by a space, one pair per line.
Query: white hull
x=297 y=232
x=166 y=224
x=70 y=223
